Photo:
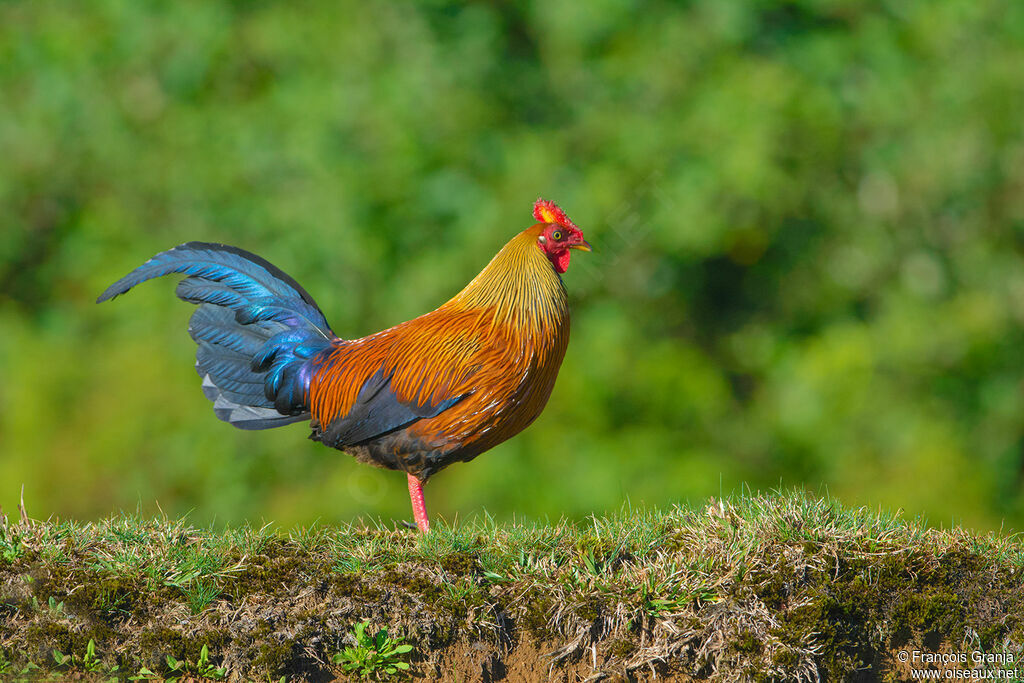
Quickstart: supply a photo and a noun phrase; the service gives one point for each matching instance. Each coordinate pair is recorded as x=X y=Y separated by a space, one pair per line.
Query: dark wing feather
x=377 y=411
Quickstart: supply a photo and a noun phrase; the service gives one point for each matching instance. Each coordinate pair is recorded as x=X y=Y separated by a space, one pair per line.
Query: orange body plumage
x=499 y=343
x=441 y=388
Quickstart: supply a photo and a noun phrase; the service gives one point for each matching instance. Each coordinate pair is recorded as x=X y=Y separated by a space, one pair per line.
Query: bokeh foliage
x=808 y=219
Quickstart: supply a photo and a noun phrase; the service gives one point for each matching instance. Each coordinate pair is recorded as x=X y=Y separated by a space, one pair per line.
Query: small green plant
x=63 y=659
x=52 y=605
x=30 y=672
x=373 y=656
x=203 y=668
x=90 y=662
x=176 y=666
x=10 y=550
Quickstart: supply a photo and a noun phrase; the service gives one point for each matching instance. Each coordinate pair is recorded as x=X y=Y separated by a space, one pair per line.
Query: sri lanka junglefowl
x=416 y=397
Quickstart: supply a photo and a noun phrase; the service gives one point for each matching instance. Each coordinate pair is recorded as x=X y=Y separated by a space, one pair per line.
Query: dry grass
x=784 y=587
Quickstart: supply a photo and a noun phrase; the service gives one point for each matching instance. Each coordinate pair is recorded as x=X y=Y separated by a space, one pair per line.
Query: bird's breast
x=512 y=379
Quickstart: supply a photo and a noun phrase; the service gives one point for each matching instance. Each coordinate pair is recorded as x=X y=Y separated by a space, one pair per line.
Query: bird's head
x=557 y=235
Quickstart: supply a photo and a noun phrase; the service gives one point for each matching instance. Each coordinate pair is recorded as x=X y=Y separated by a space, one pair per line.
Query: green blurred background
x=808 y=221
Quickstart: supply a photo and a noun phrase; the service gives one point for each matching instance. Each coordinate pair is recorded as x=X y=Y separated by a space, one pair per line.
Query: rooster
x=441 y=388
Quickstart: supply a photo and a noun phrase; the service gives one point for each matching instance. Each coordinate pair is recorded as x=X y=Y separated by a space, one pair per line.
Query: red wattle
x=561 y=260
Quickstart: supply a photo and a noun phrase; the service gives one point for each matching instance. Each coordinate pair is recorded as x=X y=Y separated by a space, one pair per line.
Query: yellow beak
x=582 y=245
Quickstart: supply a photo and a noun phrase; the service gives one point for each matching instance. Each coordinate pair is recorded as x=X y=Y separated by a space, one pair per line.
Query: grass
x=778 y=587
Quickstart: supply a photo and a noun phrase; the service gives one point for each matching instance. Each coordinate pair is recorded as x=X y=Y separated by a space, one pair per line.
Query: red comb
x=548 y=212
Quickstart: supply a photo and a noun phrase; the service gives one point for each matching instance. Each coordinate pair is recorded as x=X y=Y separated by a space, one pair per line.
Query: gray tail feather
x=244 y=416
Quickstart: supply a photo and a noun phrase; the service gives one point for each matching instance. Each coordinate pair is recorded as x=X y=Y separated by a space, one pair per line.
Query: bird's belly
x=400 y=450
x=428 y=446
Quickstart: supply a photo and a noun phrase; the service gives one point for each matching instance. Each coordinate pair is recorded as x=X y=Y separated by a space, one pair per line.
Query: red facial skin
x=559 y=234
x=556 y=240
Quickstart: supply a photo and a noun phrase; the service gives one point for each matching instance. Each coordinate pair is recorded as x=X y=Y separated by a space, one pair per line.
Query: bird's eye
x=556 y=235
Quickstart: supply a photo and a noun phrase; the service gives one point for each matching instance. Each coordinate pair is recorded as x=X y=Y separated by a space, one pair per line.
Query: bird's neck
x=519 y=285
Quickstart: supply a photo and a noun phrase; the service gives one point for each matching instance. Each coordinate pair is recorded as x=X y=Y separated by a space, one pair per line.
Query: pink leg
x=419 y=506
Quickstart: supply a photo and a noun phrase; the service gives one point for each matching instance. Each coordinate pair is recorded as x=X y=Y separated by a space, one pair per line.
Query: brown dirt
x=526 y=662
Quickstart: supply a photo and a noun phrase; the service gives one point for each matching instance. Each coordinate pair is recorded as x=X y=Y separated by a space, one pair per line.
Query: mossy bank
x=779 y=587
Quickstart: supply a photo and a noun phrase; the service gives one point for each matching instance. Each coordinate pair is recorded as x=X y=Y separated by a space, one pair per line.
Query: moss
x=456 y=607
x=160 y=642
x=622 y=648
x=274 y=658
x=591 y=609
x=836 y=626
x=108 y=595
x=536 y=611
x=932 y=614
x=353 y=586
x=919 y=598
x=833 y=615
x=414 y=584
x=370 y=594
x=460 y=563
x=43 y=637
x=343 y=583
x=279 y=564
x=266 y=574
x=748 y=642
x=994 y=633
x=771 y=590
x=786 y=659
x=96 y=595
x=263 y=629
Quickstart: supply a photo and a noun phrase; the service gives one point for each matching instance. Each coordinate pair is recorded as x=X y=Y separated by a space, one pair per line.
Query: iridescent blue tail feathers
x=257 y=329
